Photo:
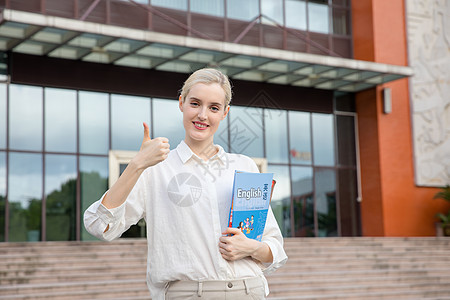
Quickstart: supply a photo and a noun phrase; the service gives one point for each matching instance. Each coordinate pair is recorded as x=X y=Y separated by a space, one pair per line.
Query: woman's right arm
x=151 y=153
x=101 y=214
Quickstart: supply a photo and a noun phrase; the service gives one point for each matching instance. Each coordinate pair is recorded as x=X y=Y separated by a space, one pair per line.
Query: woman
x=178 y=192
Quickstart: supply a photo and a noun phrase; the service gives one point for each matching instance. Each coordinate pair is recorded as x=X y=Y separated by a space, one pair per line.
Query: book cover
x=250 y=202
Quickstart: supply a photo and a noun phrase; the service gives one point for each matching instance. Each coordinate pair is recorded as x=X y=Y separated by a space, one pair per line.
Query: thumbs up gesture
x=153 y=151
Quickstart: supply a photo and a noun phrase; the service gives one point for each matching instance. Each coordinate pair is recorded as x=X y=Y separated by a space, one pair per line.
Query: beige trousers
x=243 y=289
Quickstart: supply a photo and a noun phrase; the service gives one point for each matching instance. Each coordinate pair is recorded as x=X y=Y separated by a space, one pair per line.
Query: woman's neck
x=204 y=149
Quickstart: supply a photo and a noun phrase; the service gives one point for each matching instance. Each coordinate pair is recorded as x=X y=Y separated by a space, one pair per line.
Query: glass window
x=300 y=137
x=2 y=195
x=2 y=116
x=168 y=121
x=242 y=10
x=296 y=14
x=60 y=120
x=94 y=183
x=210 y=7
x=348 y=204
x=346 y=140
x=94 y=123
x=325 y=186
x=127 y=115
x=323 y=139
x=276 y=135
x=25 y=117
x=246 y=132
x=25 y=196
x=281 y=197
x=60 y=193
x=221 y=136
x=173 y=4
x=340 y=21
x=272 y=9
x=318 y=17
x=303 y=201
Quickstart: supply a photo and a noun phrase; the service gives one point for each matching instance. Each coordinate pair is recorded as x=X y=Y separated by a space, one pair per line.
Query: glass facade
x=54 y=158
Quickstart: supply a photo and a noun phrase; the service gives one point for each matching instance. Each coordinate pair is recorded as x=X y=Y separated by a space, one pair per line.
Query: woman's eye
x=194 y=103
x=214 y=108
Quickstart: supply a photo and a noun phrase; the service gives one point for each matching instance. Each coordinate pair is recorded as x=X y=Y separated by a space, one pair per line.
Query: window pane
x=296 y=14
x=300 y=137
x=94 y=123
x=246 y=132
x=94 y=183
x=127 y=115
x=25 y=117
x=210 y=7
x=346 y=140
x=25 y=196
x=272 y=9
x=276 y=135
x=2 y=116
x=303 y=201
x=221 y=136
x=323 y=139
x=174 y=4
x=281 y=198
x=242 y=10
x=348 y=204
x=60 y=191
x=325 y=186
x=2 y=195
x=168 y=121
x=60 y=120
x=340 y=21
x=318 y=16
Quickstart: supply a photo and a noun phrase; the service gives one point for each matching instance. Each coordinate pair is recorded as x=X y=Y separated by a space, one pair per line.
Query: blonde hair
x=207 y=76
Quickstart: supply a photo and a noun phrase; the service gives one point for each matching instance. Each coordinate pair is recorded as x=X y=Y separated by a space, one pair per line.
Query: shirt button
x=230 y=285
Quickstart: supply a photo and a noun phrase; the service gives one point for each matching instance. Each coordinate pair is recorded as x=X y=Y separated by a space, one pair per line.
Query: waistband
x=216 y=285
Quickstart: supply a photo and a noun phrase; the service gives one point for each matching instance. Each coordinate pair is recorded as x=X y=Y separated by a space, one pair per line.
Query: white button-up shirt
x=186 y=202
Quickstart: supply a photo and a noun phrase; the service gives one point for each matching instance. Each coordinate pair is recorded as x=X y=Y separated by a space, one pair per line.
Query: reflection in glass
x=246 y=132
x=275 y=124
x=296 y=14
x=25 y=117
x=325 y=186
x=60 y=120
x=323 y=139
x=346 y=140
x=272 y=9
x=242 y=10
x=25 y=196
x=303 y=201
x=168 y=121
x=174 y=4
x=318 y=16
x=94 y=123
x=127 y=115
x=2 y=195
x=94 y=183
x=281 y=198
x=300 y=137
x=210 y=7
x=2 y=117
x=60 y=193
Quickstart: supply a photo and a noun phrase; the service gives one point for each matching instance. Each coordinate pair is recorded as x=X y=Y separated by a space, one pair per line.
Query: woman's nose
x=202 y=114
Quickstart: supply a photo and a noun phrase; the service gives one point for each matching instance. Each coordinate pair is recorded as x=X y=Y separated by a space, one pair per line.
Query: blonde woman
x=177 y=192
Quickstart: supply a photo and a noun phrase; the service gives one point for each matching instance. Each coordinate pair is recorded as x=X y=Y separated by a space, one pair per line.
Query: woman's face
x=203 y=109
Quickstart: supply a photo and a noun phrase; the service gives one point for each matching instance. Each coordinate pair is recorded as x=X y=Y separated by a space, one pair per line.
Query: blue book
x=250 y=202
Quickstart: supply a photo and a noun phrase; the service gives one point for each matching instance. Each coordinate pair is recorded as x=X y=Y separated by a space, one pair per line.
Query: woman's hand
x=152 y=151
x=235 y=245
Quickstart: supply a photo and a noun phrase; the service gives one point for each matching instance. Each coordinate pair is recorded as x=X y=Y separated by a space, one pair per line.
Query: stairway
x=318 y=268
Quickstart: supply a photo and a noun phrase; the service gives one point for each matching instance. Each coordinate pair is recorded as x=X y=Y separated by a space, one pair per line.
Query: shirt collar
x=185 y=153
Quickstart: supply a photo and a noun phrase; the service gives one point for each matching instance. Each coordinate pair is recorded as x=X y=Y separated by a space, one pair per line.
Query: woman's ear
x=180 y=103
x=227 y=109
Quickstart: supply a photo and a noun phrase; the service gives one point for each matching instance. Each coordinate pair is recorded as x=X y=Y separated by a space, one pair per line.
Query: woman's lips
x=200 y=125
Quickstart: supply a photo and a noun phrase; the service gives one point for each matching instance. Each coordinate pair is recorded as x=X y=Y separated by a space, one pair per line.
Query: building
x=333 y=96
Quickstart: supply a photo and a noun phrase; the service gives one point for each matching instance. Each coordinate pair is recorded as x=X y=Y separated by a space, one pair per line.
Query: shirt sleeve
x=97 y=217
x=273 y=238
